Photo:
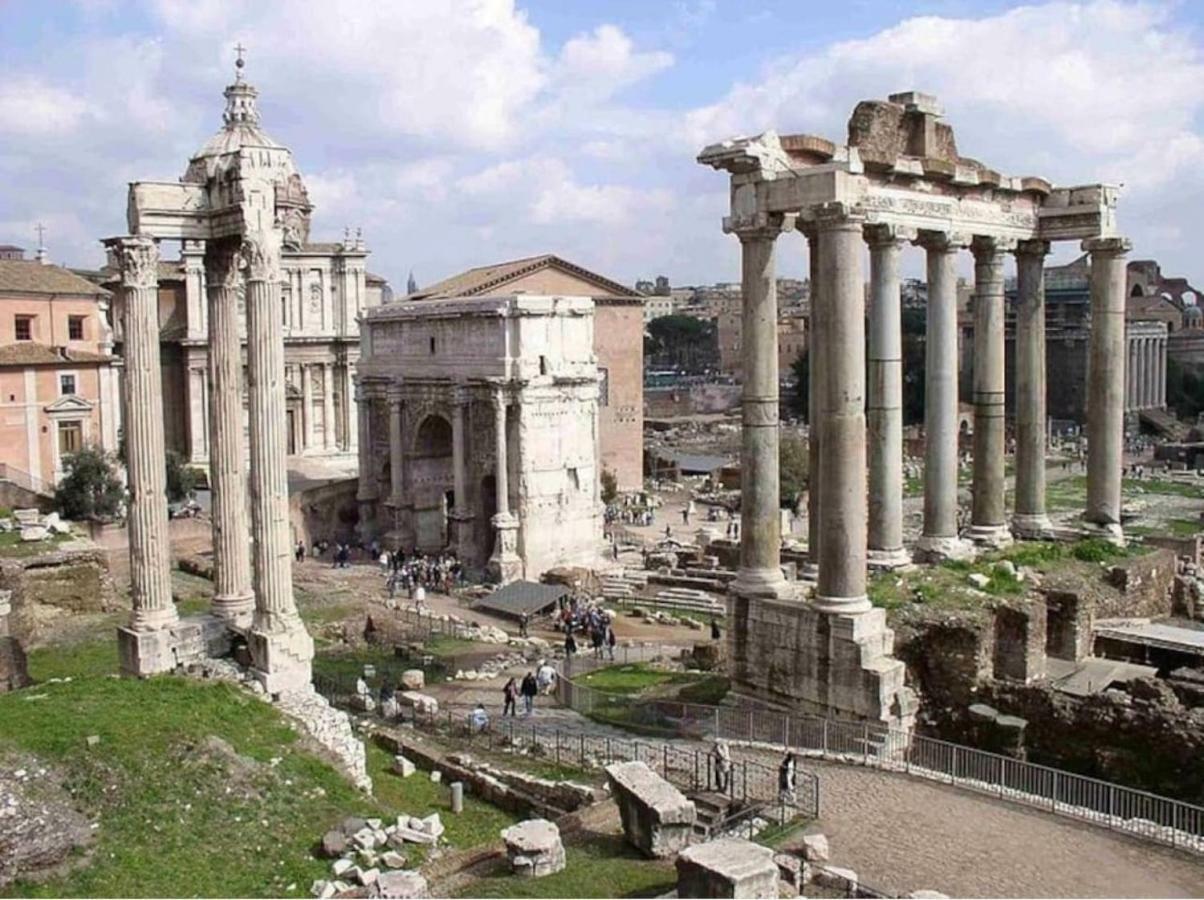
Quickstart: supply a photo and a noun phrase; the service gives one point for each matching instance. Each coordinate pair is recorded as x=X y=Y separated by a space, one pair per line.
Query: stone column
x=884 y=406
x=814 y=391
x=232 y=596
x=1130 y=375
x=1151 y=370
x=842 y=566
x=988 y=519
x=1106 y=386
x=281 y=649
x=460 y=515
x=197 y=413
x=145 y=645
x=1161 y=395
x=366 y=491
x=1029 y=519
x=940 y=536
x=307 y=407
x=396 y=450
x=760 y=572
x=504 y=564
x=328 y=435
x=349 y=411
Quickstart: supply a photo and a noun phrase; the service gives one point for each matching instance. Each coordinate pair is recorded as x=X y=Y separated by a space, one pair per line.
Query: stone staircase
x=1164 y=423
x=623 y=585
x=681 y=599
x=712 y=808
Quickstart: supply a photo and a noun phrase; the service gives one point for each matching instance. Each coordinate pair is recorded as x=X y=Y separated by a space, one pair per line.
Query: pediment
x=71 y=403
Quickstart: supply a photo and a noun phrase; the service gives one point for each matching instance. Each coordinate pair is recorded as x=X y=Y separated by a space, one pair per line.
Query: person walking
x=510 y=699
x=570 y=645
x=300 y=551
x=787 y=779
x=522 y=624
x=721 y=763
x=610 y=642
x=529 y=689
x=714 y=629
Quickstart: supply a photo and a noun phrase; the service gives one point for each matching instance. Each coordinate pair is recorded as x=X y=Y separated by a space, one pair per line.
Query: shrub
x=91 y=488
x=610 y=486
x=181 y=478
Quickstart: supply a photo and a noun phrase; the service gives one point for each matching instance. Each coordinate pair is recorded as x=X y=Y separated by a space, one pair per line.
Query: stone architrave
x=232 y=596
x=281 y=648
x=658 y=819
x=145 y=645
x=760 y=571
x=842 y=565
x=728 y=867
x=884 y=402
x=988 y=514
x=1106 y=385
x=940 y=539
x=534 y=848
x=1030 y=519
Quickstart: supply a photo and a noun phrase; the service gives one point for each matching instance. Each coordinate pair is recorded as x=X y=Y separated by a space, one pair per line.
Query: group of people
x=594 y=624
x=417 y=574
x=540 y=681
x=340 y=553
x=721 y=769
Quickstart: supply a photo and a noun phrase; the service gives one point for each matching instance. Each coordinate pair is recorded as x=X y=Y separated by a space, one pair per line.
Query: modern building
x=618 y=336
x=58 y=378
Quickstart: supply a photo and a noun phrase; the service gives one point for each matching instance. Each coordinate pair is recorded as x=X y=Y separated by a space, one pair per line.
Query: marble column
x=307 y=408
x=988 y=515
x=198 y=449
x=366 y=494
x=232 y=596
x=1130 y=374
x=145 y=644
x=814 y=390
x=842 y=566
x=940 y=534
x=1151 y=370
x=1029 y=519
x=504 y=564
x=328 y=434
x=1161 y=395
x=281 y=648
x=1106 y=386
x=396 y=451
x=760 y=571
x=349 y=411
x=884 y=405
x=460 y=524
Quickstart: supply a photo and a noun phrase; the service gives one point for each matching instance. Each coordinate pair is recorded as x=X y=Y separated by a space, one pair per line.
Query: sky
x=466 y=132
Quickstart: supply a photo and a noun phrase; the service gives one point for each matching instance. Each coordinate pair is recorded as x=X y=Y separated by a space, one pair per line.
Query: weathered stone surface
x=836 y=878
x=334 y=844
x=400 y=885
x=423 y=704
x=534 y=848
x=728 y=867
x=403 y=767
x=40 y=829
x=815 y=848
x=393 y=860
x=413 y=679
x=658 y=819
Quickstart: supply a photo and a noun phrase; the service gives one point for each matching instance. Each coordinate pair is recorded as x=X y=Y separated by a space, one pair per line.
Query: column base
x=1109 y=531
x=847 y=606
x=767 y=584
x=281 y=659
x=809 y=571
x=236 y=610
x=888 y=559
x=991 y=535
x=931 y=548
x=505 y=565
x=1032 y=526
x=153 y=652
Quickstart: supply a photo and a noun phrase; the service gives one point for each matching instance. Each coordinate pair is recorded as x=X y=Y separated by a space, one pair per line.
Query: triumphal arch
x=240 y=199
x=898 y=180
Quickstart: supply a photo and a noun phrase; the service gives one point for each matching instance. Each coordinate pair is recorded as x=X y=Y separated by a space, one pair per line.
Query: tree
x=610 y=486
x=91 y=488
x=181 y=479
x=793 y=469
x=915 y=326
x=802 y=385
x=682 y=342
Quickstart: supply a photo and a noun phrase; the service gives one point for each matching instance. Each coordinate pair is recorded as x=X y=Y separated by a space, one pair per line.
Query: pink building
x=58 y=382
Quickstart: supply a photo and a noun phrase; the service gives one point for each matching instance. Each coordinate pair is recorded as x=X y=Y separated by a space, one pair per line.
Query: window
x=432 y=345
x=71 y=438
x=24 y=328
x=66 y=385
x=75 y=328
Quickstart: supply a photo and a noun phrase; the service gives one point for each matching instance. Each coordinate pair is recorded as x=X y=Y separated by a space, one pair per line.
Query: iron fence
x=1129 y=810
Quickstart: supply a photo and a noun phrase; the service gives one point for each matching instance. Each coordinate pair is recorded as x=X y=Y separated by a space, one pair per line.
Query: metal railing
x=1128 y=810
x=750 y=785
x=584 y=660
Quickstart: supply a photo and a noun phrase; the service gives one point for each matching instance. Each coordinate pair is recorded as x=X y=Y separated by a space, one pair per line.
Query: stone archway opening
x=432 y=480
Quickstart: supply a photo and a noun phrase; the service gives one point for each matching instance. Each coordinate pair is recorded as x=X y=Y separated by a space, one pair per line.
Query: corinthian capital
x=261 y=255
x=138 y=259
x=222 y=265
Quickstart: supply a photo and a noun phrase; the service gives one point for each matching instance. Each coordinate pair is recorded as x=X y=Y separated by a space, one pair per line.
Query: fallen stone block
x=815 y=848
x=728 y=867
x=393 y=860
x=403 y=767
x=334 y=844
x=534 y=848
x=413 y=679
x=423 y=704
x=400 y=886
x=436 y=776
x=790 y=871
x=368 y=876
x=658 y=819
x=928 y=895
x=342 y=867
x=835 y=877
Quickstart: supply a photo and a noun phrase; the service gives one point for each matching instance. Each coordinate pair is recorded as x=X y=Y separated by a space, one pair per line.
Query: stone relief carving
x=261 y=255
x=315 y=298
x=139 y=262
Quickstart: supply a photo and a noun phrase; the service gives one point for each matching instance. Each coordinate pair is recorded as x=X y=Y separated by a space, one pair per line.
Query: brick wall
x=619 y=346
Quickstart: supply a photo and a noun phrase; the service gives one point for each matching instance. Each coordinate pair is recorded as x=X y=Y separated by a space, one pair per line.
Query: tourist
x=721 y=764
x=610 y=642
x=300 y=551
x=596 y=638
x=384 y=562
x=545 y=677
x=510 y=699
x=570 y=645
x=787 y=778
x=529 y=689
x=479 y=719
x=714 y=629
x=522 y=624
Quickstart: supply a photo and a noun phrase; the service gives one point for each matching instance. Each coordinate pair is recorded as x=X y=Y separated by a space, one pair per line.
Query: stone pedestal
x=658 y=819
x=728 y=867
x=534 y=848
x=505 y=565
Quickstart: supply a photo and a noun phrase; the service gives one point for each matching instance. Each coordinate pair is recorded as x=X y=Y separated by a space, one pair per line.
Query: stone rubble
x=658 y=819
x=728 y=867
x=371 y=853
x=534 y=848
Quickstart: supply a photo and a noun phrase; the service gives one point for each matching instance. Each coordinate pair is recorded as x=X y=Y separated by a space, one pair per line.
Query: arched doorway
x=431 y=478
x=483 y=524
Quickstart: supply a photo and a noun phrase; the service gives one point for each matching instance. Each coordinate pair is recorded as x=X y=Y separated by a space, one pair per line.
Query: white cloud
x=31 y=107
x=600 y=64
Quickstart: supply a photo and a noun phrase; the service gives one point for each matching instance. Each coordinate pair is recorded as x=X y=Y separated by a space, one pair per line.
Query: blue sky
x=470 y=131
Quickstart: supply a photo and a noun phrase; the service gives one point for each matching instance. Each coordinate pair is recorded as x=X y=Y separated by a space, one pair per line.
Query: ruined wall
x=619 y=345
x=327 y=512
x=697 y=399
x=53 y=584
x=13 y=671
x=1145 y=584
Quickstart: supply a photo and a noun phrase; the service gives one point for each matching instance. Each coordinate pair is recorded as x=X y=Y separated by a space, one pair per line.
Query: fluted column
x=1151 y=370
x=842 y=566
x=350 y=431
x=1161 y=394
x=1029 y=519
x=281 y=649
x=150 y=546
x=815 y=347
x=397 y=483
x=988 y=516
x=940 y=535
x=1106 y=385
x=307 y=407
x=884 y=404
x=232 y=596
x=504 y=564
x=1130 y=374
x=328 y=432
x=760 y=571
x=460 y=516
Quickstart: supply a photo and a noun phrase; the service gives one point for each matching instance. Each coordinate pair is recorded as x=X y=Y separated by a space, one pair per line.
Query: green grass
x=602 y=866
x=776 y=835
x=12 y=546
x=444 y=645
x=86 y=659
x=633 y=679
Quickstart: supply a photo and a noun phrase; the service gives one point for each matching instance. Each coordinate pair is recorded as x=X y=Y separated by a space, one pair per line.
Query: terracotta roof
x=485 y=279
x=28 y=276
x=169 y=270
x=31 y=354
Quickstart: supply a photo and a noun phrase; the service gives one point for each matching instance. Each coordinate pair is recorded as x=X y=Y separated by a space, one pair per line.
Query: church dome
x=1193 y=317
